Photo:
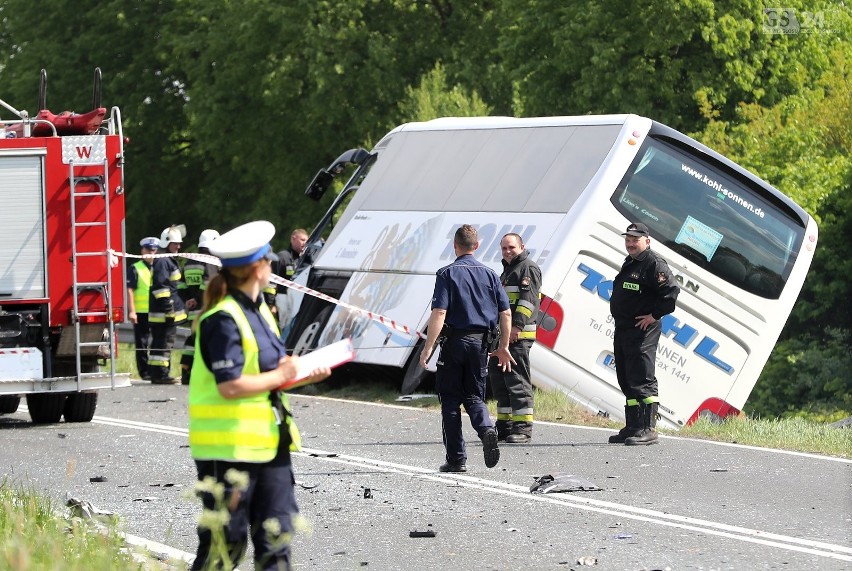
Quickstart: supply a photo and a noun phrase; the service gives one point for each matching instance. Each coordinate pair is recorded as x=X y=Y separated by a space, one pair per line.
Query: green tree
x=433 y=98
x=677 y=61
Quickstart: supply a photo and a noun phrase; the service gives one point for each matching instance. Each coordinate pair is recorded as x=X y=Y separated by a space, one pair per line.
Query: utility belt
x=452 y=332
x=490 y=338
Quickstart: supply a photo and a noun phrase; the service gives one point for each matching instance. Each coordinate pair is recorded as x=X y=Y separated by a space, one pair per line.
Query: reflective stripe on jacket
x=522 y=281
x=242 y=429
x=143 y=286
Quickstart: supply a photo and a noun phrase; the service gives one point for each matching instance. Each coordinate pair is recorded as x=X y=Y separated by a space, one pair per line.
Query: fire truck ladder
x=81 y=187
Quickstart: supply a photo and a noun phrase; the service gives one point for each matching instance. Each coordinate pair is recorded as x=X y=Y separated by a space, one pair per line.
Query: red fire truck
x=61 y=288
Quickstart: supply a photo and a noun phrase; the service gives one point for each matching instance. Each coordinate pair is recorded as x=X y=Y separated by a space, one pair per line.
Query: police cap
x=244 y=244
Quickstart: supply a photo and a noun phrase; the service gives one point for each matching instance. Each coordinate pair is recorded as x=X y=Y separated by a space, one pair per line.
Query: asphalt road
x=368 y=477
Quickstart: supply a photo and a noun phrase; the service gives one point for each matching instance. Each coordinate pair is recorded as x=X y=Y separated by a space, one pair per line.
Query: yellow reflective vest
x=143 y=286
x=242 y=429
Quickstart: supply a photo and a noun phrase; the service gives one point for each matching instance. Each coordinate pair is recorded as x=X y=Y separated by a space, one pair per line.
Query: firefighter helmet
x=173 y=233
x=206 y=237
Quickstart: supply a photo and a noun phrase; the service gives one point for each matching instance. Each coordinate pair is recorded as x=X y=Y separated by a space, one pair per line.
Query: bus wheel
x=46 y=408
x=414 y=375
x=9 y=403
x=80 y=407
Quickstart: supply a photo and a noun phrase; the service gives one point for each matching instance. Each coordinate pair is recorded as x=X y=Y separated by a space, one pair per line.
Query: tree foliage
x=677 y=61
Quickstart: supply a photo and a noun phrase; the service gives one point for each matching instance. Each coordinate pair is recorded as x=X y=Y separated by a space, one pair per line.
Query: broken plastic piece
x=426 y=533
x=552 y=483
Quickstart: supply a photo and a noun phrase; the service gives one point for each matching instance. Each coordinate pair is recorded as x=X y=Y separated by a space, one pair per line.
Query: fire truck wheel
x=80 y=407
x=9 y=404
x=46 y=408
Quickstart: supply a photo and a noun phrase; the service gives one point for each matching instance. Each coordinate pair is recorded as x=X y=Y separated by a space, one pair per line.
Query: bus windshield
x=710 y=218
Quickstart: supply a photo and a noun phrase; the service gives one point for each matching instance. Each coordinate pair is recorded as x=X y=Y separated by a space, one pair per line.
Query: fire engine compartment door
x=22 y=251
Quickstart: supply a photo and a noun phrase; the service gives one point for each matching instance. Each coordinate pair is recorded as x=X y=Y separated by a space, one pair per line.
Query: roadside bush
x=807 y=378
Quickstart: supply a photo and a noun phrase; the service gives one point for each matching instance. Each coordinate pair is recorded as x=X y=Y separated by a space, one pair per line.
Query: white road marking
x=812 y=547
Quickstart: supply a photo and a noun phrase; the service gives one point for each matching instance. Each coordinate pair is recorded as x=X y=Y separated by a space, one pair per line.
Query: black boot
x=521 y=433
x=632 y=425
x=649 y=420
x=504 y=429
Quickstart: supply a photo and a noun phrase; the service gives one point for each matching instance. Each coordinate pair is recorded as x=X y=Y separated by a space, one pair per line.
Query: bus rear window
x=710 y=219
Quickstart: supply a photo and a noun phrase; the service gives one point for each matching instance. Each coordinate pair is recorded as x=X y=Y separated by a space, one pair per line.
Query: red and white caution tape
x=213 y=260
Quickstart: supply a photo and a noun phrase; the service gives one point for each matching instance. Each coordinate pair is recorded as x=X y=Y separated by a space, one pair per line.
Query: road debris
x=552 y=483
x=95 y=479
x=425 y=533
x=85 y=510
x=587 y=560
x=406 y=398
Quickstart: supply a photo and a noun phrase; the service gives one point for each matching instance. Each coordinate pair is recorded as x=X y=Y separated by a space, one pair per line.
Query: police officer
x=138 y=290
x=642 y=293
x=238 y=421
x=468 y=299
x=521 y=278
x=196 y=274
x=166 y=308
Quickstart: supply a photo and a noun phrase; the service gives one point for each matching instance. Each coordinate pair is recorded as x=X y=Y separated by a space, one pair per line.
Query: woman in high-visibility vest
x=240 y=427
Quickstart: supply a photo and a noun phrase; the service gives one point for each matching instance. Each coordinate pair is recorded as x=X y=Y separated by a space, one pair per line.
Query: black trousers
x=513 y=389
x=635 y=360
x=162 y=342
x=460 y=382
x=270 y=495
x=142 y=340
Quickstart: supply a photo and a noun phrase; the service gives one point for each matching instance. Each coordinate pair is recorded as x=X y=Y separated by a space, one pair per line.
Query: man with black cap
x=642 y=293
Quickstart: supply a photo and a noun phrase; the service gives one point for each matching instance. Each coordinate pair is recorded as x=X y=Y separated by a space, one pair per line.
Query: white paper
x=329 y=356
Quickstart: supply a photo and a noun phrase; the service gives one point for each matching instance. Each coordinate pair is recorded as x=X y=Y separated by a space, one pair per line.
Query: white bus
x=569 y=186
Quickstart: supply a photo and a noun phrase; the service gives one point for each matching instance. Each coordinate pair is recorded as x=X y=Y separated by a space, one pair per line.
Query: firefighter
x=642 y=293
x=521 y=278
x=138 y=290
x=469 y=300
x=238 y=420
x=196 y=274
x=166 y=309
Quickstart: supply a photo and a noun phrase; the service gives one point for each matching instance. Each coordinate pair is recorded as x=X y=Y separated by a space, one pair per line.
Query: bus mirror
x=322 y=180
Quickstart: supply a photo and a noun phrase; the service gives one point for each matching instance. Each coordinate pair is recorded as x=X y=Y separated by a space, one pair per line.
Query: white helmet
x=173 y=233
x=206 y=237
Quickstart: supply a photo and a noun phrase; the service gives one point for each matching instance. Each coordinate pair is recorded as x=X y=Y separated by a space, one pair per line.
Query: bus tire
x=46 y=408
x=414 y=375
x=80 y=407
x=9 y=403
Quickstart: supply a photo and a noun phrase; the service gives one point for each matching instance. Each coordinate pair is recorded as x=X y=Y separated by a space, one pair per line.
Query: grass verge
x=35 y=538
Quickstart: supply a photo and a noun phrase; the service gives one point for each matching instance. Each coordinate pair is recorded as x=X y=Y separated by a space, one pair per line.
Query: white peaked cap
x=174 y=233
x=244 y=244
x=151 y=242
